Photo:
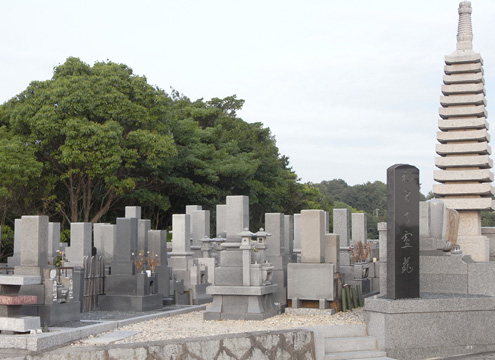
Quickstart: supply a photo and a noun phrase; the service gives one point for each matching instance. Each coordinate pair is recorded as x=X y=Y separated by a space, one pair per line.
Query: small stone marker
x=402 y=232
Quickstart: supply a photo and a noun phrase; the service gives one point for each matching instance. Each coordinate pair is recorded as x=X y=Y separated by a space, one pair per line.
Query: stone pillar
x=297 y=238
x=33 y=245
x=402 y=232
x=104 y=238
x=80 y=243
x=237 y=217
x=53 y=240
x=125 y=246
x=275 y=225
x=289 y=235
x=342 y=225
x=157 y=245
x=181 y=225
x=359 y=228
x=200 y=226
x=221 y=221
x=181 y=248
x=332 y=250
x=144 y=225
x=312 y=236
x=190 y=209
x=15 y=258
x=382 y=238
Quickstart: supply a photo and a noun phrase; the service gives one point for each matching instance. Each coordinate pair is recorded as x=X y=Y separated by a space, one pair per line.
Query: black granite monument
x=402 y=232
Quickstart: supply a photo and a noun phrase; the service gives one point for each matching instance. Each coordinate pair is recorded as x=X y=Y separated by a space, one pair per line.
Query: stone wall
x=285 y=344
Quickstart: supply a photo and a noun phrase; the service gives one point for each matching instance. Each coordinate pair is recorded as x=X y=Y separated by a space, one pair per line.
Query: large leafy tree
x=91 y=129
x=219 y=154
x=94 y=139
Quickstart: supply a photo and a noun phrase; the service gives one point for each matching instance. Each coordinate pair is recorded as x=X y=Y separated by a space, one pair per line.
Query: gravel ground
x=193 y=325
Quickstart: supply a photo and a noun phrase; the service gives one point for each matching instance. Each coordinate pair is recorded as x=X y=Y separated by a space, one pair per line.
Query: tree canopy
x=93 y=139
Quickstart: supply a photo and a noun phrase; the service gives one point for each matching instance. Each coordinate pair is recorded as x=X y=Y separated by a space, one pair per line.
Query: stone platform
x=435 y=325
x=241 y=302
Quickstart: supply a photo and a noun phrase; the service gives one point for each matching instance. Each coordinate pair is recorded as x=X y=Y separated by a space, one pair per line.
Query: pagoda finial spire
x=465 y=29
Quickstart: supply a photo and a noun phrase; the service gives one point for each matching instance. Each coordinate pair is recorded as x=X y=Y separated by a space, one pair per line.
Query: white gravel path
x=193 y=325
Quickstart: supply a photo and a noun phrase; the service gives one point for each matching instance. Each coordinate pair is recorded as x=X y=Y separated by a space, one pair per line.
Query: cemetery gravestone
x=402 y=232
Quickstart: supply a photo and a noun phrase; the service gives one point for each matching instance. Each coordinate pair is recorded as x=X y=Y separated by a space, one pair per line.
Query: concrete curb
x=60 y=336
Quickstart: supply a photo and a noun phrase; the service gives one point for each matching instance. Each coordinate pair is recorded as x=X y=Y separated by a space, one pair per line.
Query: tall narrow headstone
x=157 y=245
x=34 y=245
x=274 y=224
x=237 y=217
x=382 y=264
x=144 y=225
x=15 y=258
x=190 y=209
x=104 y=238
x=297 y=235
x=221 y=220
x=402 y=232
x=342 y=225
x=359 y=228
x=312 y=236
x=125 y=246
x=80 y=243
x=181 y=226
x=289 y=234
x=200 y=226
x=53 y=240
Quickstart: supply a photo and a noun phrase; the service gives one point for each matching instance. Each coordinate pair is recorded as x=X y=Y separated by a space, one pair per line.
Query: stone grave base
x=199 y=295
x=54 y=314
x=435 y=325
x=241 y=303
x=20 y=324
x=311 y=281
x=456 y=274
x=365 y=285
x=476 y=246
x=130 y=302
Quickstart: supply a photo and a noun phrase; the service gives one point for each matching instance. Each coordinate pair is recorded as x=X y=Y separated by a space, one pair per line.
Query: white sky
x=348 y=88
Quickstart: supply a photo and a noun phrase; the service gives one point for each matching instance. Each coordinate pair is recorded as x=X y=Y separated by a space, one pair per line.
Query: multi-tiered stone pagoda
x=463 y=153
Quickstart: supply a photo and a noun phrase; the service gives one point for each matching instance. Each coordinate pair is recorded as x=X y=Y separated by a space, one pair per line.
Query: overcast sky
x=348 y=88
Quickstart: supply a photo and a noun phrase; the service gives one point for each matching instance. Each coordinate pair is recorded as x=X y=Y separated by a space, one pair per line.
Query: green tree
x=19 y=172
x=92 y=129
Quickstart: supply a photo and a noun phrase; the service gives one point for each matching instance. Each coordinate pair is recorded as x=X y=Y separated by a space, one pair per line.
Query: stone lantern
x=246 y=238
x=261 y=236
x=206 y=246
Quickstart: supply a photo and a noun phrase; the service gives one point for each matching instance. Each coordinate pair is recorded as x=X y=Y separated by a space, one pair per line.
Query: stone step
x=339 y=331
x=349 y=344
x=361 y=355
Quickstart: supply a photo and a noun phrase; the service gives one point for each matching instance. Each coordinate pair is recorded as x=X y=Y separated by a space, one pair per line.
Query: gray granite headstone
x=34 y=241
x=342 y=225
x=274 y=224
x=125 y=246
x=221 y=223
x=297 y=233
x=200 y=226
x=237 y=216
x=289 y=234
x=359 y=227
x=402 y=232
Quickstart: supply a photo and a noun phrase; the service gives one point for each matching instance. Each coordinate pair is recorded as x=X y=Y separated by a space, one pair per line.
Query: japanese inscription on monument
x=402 y=232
